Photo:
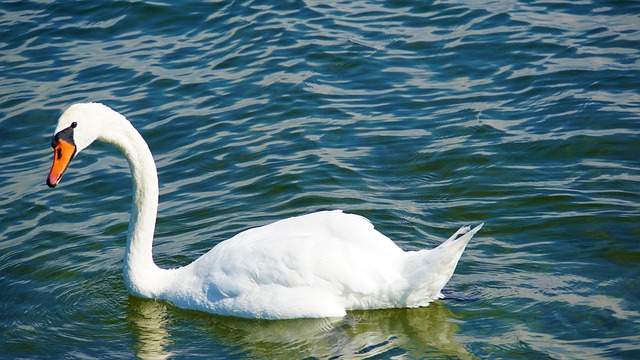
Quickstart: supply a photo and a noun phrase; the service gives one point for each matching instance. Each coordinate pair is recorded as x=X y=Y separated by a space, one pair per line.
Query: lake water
x=421 y=115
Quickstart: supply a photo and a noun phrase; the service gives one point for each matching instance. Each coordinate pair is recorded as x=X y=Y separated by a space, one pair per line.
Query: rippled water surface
x=421 y=115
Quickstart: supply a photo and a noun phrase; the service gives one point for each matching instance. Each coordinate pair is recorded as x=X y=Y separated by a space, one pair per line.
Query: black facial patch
x=65 y=134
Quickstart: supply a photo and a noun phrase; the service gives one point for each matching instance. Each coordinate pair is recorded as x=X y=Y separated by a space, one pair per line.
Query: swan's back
x=313 y=265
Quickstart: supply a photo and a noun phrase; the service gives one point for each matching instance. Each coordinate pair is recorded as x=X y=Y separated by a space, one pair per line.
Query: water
x=422 y=116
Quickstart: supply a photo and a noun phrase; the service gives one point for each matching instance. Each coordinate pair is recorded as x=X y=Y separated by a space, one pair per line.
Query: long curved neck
x=142 y=277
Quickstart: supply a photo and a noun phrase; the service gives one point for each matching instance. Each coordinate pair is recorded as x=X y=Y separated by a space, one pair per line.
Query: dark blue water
x=421 y=115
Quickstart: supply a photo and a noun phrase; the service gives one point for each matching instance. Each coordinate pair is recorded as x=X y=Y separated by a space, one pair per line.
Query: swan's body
x=316 y=265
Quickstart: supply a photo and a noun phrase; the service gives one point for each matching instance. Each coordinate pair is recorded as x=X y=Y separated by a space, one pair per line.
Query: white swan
x=315 y=265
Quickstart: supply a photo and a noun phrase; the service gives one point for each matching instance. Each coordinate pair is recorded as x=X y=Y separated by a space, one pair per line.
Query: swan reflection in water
x=150 y=323
x=417 y=333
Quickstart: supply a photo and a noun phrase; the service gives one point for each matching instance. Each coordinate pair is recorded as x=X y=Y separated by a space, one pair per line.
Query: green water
x=421 y=116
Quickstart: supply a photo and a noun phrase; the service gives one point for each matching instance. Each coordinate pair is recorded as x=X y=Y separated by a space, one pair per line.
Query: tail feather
x=465 y=230
x=428 y=271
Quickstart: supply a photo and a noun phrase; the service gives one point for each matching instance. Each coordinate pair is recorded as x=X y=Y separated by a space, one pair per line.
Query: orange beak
x=63 y=152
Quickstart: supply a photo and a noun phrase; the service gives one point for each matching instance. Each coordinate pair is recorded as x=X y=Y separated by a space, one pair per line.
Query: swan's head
x=78 y=127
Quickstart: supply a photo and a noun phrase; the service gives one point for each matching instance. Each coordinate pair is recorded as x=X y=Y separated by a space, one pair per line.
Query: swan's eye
x=66 y=135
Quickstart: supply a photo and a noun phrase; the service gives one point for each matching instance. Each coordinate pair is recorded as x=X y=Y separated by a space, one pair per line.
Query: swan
x=311 y=266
